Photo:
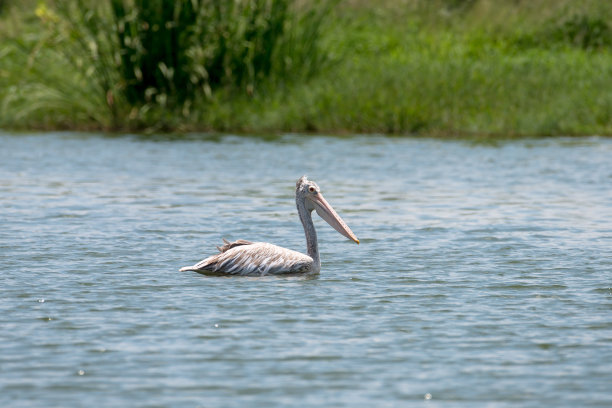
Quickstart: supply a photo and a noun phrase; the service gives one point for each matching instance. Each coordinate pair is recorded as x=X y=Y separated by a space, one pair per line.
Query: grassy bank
x=450 y=67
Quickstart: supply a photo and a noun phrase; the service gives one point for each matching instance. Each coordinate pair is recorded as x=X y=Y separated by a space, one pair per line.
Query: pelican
x=260 y=258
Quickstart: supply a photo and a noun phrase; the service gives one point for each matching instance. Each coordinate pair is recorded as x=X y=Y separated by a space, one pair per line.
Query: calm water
x=484 y=277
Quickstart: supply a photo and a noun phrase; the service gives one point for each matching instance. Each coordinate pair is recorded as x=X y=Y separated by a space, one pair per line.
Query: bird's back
x=253 y=258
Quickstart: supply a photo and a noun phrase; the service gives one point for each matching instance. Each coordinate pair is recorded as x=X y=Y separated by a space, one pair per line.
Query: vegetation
x=435 y=67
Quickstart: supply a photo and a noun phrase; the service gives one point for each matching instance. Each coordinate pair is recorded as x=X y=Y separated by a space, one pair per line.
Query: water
x=483 y=278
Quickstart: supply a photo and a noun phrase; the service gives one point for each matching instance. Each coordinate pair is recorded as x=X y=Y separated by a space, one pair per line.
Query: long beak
x=326 y=212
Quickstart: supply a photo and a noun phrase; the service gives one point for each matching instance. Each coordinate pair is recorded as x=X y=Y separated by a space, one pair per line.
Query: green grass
x=403 y=67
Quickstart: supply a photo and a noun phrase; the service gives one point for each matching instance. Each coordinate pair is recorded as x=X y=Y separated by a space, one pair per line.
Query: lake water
x=483 y=278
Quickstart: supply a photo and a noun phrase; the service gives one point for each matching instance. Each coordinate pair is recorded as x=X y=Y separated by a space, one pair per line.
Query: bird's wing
x=253 y=258
x=229 y=245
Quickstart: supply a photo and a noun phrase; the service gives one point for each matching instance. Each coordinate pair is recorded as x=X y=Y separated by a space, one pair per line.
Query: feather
x=230 y=245
x=243 y=257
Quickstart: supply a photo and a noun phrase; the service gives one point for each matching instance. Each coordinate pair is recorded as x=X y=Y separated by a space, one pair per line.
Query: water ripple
x=482 y=278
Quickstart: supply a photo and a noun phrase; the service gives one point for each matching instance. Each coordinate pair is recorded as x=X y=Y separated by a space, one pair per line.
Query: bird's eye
x=312 y=189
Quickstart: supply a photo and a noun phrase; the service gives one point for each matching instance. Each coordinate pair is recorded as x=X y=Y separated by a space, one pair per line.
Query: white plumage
x=260 y=258
x=254 y=258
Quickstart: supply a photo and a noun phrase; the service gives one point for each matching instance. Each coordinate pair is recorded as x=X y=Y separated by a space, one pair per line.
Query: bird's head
x=309 y=193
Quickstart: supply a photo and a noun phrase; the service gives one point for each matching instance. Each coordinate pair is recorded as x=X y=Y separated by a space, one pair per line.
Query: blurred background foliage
x=103 y=58
x=395 y=66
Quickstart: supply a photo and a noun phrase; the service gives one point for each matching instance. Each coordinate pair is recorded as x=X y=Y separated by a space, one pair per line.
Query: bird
x=248 y=258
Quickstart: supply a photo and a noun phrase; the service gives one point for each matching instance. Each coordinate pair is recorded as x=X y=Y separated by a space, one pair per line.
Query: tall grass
x=399 y=66
x=51 y=70
x=141 y=61
x=173 y=50
x=461 y=70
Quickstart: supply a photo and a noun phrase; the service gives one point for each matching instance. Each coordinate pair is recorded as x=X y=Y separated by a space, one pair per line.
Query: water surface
x=483 y=278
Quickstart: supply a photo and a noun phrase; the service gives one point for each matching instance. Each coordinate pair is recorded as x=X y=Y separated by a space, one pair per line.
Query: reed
x=436 y=67
x=471 y=70
x=140 y=61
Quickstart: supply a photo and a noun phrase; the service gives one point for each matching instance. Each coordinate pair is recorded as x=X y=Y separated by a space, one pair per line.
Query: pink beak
x=326 y=212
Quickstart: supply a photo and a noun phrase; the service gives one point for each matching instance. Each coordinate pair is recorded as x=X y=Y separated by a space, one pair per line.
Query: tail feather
x=200 y=266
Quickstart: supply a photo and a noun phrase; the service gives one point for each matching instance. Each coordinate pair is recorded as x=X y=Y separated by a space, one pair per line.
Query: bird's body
x=260 y=258
x=254 y=258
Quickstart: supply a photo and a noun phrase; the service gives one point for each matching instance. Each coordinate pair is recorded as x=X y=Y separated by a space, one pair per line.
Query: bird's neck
x=312 y=247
